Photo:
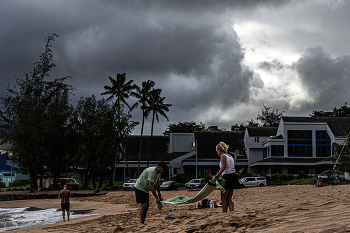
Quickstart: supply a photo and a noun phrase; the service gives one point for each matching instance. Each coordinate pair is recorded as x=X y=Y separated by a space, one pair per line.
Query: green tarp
x=206 y=190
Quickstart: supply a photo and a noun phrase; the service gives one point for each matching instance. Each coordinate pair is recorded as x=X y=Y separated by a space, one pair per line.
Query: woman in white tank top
x=228 y=172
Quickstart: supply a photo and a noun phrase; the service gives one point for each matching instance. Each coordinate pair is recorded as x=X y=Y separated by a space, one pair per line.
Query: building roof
x=208 y=140
x=262 y=131
x=278 y=137
x=338 y=125
x=158 y=151
x=293 y=160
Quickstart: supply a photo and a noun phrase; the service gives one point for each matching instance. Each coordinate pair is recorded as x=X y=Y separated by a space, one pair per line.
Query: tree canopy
x=184 y=127
x=342 y=111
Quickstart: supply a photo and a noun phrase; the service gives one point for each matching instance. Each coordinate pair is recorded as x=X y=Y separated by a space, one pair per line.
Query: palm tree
x=122 y=90
x=143 y=95
x=158 y=107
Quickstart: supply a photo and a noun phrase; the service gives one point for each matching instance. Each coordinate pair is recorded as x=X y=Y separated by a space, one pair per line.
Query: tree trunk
x=111 y=180
x=93 y=180
x=33 y=181
x=101 y=181
x=41 y=179
x=150 y=143
x=143 y=122
x=126 y=160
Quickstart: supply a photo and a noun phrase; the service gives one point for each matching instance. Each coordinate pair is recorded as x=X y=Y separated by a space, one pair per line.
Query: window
x=277 y=150
x=257 y=139
x=265 y=152
x=300 y=143
x=323 y=144
x=250 y=179
x=177 y=171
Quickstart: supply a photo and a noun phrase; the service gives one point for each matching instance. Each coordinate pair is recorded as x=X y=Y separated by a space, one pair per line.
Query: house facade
x=300 y=144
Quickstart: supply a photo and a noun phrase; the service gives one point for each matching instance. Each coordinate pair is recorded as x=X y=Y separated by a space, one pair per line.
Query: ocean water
x=16 y=218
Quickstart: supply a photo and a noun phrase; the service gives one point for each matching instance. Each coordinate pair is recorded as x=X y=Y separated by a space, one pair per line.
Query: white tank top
x=230 y=165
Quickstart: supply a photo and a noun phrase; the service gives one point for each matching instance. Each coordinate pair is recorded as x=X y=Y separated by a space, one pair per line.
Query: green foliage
x=20 y=183
x=242 y=126
x=158 y=108
x=2 y=185
x=143 y=98
x=268 y=117
x=29 y=113
x=184 y=127
x=342 y=111
x=121 y=90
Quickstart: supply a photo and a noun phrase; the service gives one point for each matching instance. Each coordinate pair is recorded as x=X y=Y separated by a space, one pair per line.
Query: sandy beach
x=290 y=208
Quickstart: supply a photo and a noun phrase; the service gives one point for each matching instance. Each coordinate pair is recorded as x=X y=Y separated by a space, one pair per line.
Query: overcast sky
x=217 y=62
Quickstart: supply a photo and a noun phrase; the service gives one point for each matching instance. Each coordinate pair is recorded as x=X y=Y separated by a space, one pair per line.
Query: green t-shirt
x=149 y=174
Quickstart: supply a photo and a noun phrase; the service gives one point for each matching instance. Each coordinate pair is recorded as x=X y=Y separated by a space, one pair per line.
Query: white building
x=300 y=144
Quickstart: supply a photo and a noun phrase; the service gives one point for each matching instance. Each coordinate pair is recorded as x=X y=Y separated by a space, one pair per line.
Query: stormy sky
x=217 y=62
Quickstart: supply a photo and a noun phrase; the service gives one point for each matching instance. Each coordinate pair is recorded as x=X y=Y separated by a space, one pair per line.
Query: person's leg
x=143 y=212
x=63 y=216
x=198 y=204
x=229 y=200
x=224 y=201
x=63 y=207
x=67 y=209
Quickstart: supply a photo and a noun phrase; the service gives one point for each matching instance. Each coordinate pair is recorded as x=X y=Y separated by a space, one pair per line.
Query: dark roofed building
x=338 y=125
x=207 y=160
x=262 y=131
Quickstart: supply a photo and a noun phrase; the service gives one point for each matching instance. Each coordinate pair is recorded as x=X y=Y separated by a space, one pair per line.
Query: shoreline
x=96 y=210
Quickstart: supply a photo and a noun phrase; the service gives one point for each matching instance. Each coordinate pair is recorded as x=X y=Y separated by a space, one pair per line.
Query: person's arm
x=158 y=191
x=153 y=191
x=222 y=169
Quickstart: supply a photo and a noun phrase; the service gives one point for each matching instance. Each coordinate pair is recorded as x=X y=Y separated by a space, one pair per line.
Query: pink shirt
x=64 y=195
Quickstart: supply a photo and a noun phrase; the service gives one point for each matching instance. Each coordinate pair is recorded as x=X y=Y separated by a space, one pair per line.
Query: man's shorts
x=141 y=196
x=65 y=206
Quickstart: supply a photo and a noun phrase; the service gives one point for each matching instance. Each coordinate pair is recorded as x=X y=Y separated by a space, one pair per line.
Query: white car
x=252 y=182
x=130 y=184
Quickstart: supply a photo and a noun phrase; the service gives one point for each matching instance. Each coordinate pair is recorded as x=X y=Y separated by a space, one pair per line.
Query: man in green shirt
x=145 y=183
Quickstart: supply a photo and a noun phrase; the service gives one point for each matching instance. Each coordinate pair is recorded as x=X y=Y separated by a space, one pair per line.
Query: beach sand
x=289 y=208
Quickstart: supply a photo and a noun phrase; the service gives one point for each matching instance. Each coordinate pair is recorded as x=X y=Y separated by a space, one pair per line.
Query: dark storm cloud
x=189 y=48
x=326 y=79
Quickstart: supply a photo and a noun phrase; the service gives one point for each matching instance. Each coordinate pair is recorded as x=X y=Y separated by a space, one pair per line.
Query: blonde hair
x=222 y=146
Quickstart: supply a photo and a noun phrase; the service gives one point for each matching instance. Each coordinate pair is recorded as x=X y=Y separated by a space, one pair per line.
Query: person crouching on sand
x=319 y=182
x=145 y=183
x=205 y=203
x=228 y=172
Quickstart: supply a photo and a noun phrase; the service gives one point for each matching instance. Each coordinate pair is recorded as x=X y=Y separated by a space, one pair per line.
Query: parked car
x=130 y=184
x=253 y=182
x=196 y=183
x=169 y=185
x=70 y=182
x=161 y=181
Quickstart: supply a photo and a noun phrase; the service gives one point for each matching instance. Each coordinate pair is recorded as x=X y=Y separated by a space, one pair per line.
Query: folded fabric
x=206 y=190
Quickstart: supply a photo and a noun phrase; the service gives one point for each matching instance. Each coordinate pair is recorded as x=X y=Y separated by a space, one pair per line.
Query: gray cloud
x=189 y=48
x=326 y=79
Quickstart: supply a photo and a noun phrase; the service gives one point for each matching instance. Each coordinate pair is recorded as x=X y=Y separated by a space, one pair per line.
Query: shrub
x=2 y=185
x=19 y=183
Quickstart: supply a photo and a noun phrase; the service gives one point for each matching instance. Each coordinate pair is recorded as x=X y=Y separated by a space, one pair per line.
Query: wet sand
x=290 y=208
